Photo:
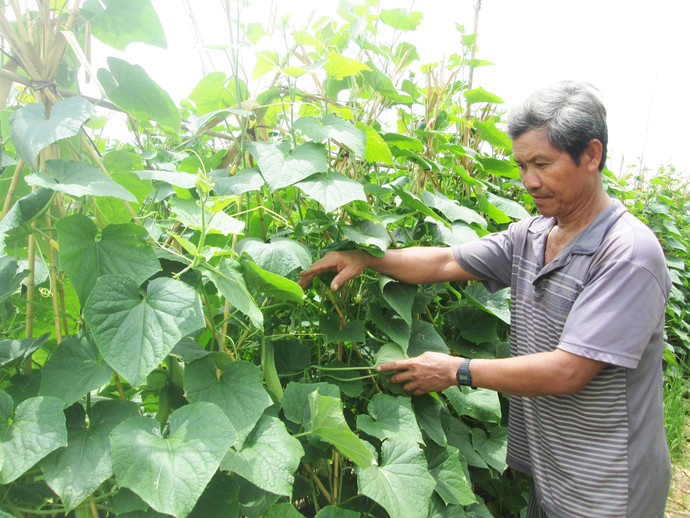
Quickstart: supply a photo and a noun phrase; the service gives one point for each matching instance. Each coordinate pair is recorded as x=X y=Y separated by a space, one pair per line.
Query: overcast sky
x=635 y=52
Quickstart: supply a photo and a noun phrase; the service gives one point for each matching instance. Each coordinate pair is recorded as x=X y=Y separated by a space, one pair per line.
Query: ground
x=679 y=498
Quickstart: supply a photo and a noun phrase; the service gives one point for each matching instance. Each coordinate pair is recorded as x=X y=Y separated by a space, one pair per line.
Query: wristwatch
x=464 y=376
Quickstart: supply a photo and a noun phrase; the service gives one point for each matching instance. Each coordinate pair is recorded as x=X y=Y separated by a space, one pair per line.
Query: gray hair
x=571 y=113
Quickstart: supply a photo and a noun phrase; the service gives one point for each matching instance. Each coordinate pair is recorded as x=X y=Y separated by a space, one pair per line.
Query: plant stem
x=13 y=187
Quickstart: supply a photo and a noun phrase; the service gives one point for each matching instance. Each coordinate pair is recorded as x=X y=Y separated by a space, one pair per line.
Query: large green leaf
x=482 y=405
x=14 y=352
x=131 y=88
x=479 y=95
x=269 y=457
x=32 y=131
x=399 y=18
x=473 y=324
x=329 y=324
x=11 y=276
x=391 y=324
x=368 y=236
x=295 y=401
x=271 y=283
x=189 y=213
x=460 y=437
x=336 y=512
x=452 y=483
x=135 y=333
x=119 y=249
x=332 y=191
x=176 y=178
x=339 y=66
x=377 y=150
x=459 y=233
x=230 y=283
x=280 y=168
x=79 y=179
x=452 y=210
x=493 y=135
x=244 y=181
x=238 y=392
x=328 y=422
x=330 y=126
x=391 y=416
x=427 y=409
x=399 y=296
x=76 y=471
x=498 y=303
x=423 y=338
x=402 y=485
x=349 y=381
x=509 y=207
x=74 y=369
x=281 y=256
x=493 y=448
x=170 y=473
x=283 y=510
x=212 y=94
x=25 y=210
x=123 y=22
x=220 y=499
x=38 y=428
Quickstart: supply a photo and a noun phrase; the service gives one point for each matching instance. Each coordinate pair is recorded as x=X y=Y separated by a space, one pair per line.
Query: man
x=589 y=288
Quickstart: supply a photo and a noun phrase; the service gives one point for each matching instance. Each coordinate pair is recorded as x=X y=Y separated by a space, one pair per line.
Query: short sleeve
x=615 y=316
x=489 y=258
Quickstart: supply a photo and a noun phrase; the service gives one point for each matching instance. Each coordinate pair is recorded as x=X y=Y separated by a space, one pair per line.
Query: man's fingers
x=389 y=366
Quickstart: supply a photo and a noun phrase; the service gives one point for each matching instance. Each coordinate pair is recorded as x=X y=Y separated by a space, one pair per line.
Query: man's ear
x=592 y=156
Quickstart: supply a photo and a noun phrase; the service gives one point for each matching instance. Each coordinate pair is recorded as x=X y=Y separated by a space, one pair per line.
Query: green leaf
x=498 y=303
x=473 y=324
x=403 y=142
x=460 y=437
x=123 y=22
x=131 y=88
x=491 y=210
x=399 y=19
x=483 y=405
x=135 y=334
x=220 y=499
x=391 y=416
x=284 y=510
x=377 y=150
x=14 y=352
x=31 y=131
x=411 y=201
x=280 y=169
x=265 y=62
x=244 y=181
x=479 y=95
x=211 y=93
x=328 y=422
x=295 y=401
x=489 y=132
x=281 y=256
x=452 y=210
x=271 y=284
x=25 y=210
x=427 y=409
x=37 y=429
x=339 y=66
x=11 y=277
x=395 y=327
x=499 y=167
x=332 y=191
x=509 y=207
x=188 y=350
x=230 y=283
x=76 y=471
x=78 y=179
x=255 y=32
x=336 y=512
x=238 y=392
x=493 y=448
x=402 y=485
x=170 y=473
x=459 y=233
x=330 y=126
x=452 y=484
x=369 y=236
x=423 y=338
x=399 y=296
x=329 y=323
x=74 y=369
x=189 y=213
x=119 y=249
x=176 y=178
x=268 y=458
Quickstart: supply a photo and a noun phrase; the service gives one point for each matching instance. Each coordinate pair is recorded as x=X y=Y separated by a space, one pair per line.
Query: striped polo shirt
x=600 y=453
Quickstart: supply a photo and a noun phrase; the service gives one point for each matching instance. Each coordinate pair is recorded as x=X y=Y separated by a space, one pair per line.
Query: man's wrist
x=463 y=376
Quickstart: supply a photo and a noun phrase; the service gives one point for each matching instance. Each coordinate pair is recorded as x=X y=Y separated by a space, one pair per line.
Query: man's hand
x=347 y=264
x=430 y=372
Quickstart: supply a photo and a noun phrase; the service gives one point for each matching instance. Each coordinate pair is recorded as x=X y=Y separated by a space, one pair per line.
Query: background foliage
x=158 y=357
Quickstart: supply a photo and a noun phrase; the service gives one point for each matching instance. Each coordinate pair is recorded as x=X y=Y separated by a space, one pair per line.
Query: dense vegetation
x=157 y=356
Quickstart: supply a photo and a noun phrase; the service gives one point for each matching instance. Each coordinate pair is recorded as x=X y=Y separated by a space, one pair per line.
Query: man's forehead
x=532 y=144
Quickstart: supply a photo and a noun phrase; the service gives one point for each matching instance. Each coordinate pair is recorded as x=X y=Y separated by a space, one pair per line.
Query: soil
x=678 y=505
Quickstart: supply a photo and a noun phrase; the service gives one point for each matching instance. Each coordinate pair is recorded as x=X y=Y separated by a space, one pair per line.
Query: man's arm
x=541 y=374
x=414 y=265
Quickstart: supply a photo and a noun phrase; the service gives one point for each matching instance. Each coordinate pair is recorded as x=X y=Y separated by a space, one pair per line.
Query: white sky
x=634 y=51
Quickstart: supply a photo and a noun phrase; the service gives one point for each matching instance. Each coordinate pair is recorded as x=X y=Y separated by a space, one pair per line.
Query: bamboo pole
x=13 y=187
x=53 y=283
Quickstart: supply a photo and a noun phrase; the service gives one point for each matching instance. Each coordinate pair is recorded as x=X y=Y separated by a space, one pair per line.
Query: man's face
x=559 y=187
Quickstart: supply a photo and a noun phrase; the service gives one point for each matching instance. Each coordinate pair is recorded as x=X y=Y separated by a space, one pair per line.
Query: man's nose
x=530 y=180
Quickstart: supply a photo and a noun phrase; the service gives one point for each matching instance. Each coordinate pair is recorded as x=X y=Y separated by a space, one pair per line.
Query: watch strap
x=464 y=376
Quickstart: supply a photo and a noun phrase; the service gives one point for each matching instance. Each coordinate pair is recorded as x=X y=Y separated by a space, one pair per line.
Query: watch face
x=463 y=379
